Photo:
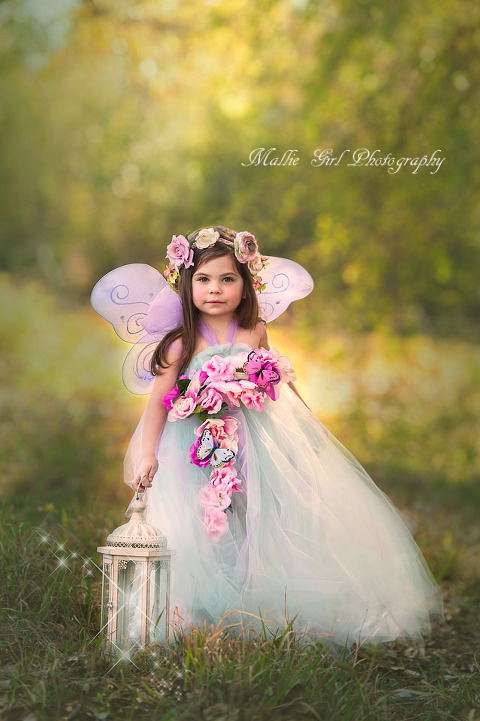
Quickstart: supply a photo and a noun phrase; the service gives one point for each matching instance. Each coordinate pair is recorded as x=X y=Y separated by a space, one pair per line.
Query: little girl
x=270 y=516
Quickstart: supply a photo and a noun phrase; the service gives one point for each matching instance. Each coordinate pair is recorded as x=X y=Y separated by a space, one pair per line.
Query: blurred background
x=123 y=123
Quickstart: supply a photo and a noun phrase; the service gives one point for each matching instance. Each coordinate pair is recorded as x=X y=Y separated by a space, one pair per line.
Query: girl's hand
x=146 y=472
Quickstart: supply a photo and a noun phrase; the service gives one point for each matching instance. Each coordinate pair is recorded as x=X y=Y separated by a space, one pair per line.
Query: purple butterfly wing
x=286 y=281
x=138 y=302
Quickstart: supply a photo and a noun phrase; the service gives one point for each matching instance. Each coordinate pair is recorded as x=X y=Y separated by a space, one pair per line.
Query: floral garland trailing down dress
x=270 y=517
x=310 y=536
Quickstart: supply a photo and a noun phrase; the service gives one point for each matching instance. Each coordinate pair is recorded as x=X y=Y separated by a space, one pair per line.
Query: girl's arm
x=153 y=422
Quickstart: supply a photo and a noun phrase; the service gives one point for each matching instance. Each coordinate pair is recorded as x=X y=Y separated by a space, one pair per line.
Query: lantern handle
x=139 y=496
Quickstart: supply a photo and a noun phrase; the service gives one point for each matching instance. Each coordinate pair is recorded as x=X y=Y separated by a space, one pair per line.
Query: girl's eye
x=202 y=278
x=229 y=279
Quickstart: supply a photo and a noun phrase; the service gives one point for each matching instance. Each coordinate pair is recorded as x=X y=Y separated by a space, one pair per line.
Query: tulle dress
x=311 y=541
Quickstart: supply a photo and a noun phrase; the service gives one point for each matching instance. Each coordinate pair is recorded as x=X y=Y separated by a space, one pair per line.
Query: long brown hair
x=246 y=313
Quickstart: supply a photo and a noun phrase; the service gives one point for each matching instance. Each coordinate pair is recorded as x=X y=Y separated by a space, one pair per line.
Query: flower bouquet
x=221 y=384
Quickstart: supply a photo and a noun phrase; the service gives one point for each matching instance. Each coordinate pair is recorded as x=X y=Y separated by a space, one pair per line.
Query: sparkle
x=89 y=565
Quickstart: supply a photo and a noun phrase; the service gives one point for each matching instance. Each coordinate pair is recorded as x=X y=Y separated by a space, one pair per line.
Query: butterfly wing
x=266 y=376
x=286 y=281
x=207 y=445
x=220 y=456
x=138 y=302
x=253 y=363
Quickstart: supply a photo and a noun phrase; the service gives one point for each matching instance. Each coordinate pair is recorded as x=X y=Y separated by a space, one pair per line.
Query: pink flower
x=218 y=369
x=183 y=408
x=225 y=478
x=224 y=430
x=232 y=390
x=193 y=455
x=211 y=400
x=266 y=356
x=239 y=358
x=230 y=426
x=169 y=397
x=179 y=252
x=246 y=246
x=194 y=386
x=253 y=399
x=216 y=522
x=209 y=496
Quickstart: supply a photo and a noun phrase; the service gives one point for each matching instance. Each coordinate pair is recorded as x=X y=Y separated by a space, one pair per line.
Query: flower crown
x=245 y=247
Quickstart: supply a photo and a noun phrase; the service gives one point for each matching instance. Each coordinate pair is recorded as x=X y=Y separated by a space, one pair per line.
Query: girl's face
x=217 y=287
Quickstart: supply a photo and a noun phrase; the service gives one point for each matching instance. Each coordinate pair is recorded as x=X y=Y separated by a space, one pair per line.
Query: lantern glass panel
x=129 y=606
x=107 y=587
x=157 y=601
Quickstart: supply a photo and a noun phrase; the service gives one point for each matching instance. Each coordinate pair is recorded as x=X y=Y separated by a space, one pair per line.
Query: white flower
x=256 y=264
x=206 y=237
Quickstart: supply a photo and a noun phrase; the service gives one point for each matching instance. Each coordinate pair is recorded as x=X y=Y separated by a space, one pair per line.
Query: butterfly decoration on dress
x=209 y=451
x=142 y=308
x=261 y=372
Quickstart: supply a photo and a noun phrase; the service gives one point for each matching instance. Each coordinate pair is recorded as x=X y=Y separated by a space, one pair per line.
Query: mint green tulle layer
x=311 y=539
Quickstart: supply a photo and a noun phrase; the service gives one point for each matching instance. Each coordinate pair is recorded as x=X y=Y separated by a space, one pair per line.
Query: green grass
x=407 y=408
x=53 y=665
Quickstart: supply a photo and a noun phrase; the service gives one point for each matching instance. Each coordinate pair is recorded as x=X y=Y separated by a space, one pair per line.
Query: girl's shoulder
x=174 y=352
x=254 y=337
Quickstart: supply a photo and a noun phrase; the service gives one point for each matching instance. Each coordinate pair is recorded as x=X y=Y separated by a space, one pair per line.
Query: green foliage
x=64 y=415
x=129 y=124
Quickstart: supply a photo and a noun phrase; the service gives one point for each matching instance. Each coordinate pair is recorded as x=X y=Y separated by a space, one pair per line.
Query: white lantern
x=136 y=584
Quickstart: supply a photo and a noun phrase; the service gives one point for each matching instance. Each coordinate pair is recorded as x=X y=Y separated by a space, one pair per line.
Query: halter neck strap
x=210 y=336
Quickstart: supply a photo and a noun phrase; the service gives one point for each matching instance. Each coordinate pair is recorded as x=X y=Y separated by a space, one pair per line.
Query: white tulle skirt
x=311 y=539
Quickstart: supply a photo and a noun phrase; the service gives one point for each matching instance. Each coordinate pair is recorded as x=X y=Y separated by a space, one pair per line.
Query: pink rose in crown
x=169 y=397
x=216 y=522
x=245 y=246
x=179 y=252
x=210 y=400
x=218 y=369
x=210 y=496
x=182 y=408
